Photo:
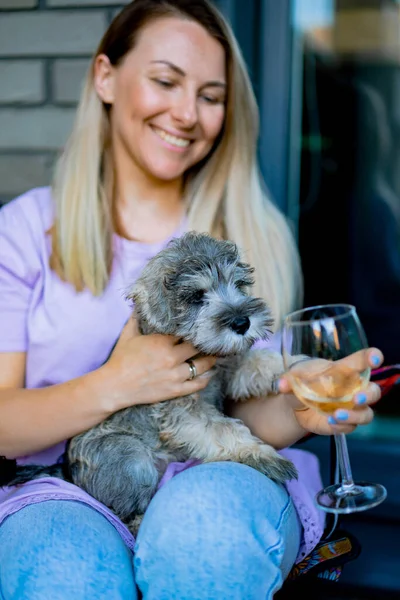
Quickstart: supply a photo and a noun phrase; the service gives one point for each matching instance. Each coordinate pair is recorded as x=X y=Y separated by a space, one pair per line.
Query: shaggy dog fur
x=197 y=288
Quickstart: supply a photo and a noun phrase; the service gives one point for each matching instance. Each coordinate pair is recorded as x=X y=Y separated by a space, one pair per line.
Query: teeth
x=171 y=139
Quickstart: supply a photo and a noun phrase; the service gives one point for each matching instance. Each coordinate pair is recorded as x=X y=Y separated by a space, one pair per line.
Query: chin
x=166 y=169
x=166 y=174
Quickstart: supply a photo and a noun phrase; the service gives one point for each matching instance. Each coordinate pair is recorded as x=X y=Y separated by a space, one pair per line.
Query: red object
x=386 y=377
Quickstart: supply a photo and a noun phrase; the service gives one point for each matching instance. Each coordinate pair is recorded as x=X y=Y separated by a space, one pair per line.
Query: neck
x=145 y=208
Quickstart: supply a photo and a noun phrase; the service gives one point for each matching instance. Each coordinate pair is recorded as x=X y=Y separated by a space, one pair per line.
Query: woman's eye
x=164 y=83
x=212 y=100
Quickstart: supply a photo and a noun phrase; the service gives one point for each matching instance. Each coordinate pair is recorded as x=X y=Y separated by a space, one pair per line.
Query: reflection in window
x=349 y=222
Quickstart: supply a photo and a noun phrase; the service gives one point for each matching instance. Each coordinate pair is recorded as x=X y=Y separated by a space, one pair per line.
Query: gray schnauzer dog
x=197 y=288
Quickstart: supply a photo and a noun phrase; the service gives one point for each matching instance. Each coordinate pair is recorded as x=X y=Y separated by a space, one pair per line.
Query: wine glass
x=315 y=344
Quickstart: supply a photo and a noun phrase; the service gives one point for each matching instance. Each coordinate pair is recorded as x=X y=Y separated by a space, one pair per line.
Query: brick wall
x=45 y=47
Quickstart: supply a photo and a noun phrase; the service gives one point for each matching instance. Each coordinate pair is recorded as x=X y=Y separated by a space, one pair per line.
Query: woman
x=164 y=141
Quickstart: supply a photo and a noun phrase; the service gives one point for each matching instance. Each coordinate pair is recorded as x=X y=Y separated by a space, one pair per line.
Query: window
x=349 y=186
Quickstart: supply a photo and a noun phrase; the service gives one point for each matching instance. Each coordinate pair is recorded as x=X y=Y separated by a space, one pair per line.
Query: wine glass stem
x=344 y=461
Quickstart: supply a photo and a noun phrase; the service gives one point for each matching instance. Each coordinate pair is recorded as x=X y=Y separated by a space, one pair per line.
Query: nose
x=184 y=110
x=240 y=325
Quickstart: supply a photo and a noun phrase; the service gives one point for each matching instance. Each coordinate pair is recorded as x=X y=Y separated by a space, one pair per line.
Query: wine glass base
x=341 y=499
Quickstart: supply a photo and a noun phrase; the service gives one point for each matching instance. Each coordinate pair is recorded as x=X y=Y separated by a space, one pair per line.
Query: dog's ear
x=152 y=305
x=170 y=280
x=246 y=267
x=245 y=272
x=133 y=291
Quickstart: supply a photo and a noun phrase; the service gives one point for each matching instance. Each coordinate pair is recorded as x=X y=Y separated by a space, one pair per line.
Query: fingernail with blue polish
x=342 y=415
x=331 y=421
x=361 y=399
x=375 y=360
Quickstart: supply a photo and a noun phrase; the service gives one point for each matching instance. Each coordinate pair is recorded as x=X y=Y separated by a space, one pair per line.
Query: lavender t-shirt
x=66 y=334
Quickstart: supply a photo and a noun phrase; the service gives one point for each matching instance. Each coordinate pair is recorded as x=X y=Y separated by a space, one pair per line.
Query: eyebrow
x=179 y=71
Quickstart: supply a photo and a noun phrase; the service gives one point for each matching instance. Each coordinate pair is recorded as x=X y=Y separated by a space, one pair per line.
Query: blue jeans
x=219 y=531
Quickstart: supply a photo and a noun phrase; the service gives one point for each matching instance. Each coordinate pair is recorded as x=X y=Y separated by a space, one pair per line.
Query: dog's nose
x=240 y=325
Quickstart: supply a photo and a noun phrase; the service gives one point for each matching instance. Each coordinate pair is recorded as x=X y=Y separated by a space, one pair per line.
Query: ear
x=135 y=292
x=246 y=267
x=246 y=272
x=170 y=280
x=104 y=78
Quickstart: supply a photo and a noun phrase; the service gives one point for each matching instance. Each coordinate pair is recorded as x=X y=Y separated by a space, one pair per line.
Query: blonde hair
x=225 y=193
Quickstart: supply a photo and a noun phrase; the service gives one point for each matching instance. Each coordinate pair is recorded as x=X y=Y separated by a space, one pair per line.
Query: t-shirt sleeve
x=19 y=270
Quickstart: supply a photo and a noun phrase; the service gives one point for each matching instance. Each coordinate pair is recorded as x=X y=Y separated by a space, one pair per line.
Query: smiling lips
x=178 y=142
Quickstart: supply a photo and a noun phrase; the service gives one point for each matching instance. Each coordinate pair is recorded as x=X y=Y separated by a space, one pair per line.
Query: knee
x=50 y=525
x=213 y=502
x=61 y=544
x=206 y=517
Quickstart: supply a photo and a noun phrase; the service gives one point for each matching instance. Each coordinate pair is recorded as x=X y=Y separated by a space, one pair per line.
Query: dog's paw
x=266 y=460
x=257 y=375
x=279 y=469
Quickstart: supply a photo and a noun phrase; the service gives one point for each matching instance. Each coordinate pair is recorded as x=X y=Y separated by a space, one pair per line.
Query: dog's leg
x=203 y=432
x=117 y=469
x=252 y=374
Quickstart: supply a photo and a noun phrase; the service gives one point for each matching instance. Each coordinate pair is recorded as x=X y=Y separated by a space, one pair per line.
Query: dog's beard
x=210 y=332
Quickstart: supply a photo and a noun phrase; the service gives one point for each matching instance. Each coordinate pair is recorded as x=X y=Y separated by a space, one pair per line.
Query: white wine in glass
x=319 y=348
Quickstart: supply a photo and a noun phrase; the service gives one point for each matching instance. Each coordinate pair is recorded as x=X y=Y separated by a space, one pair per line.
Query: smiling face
x=167 y=97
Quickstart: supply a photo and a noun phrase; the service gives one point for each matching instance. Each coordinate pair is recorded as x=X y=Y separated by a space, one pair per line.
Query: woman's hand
x=342 y=421
x=145 y=369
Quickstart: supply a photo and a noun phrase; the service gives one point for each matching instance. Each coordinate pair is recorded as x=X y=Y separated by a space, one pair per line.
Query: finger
x=192 y=386
x=125 y=335
x=361 y=416
x=370 y=395
x=339 y=428
x=305 y=366
x=284 y=385
x=371 y=357
x=134 y=326
x=375 y=358
x=129 y=330
x=358 y=361
x=202 y=365
x=184 y=351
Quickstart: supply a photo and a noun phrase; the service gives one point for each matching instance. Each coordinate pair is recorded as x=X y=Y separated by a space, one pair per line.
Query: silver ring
x=192 y=369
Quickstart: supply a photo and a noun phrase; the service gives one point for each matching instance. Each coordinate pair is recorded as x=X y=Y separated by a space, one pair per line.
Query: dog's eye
x=197 y=297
